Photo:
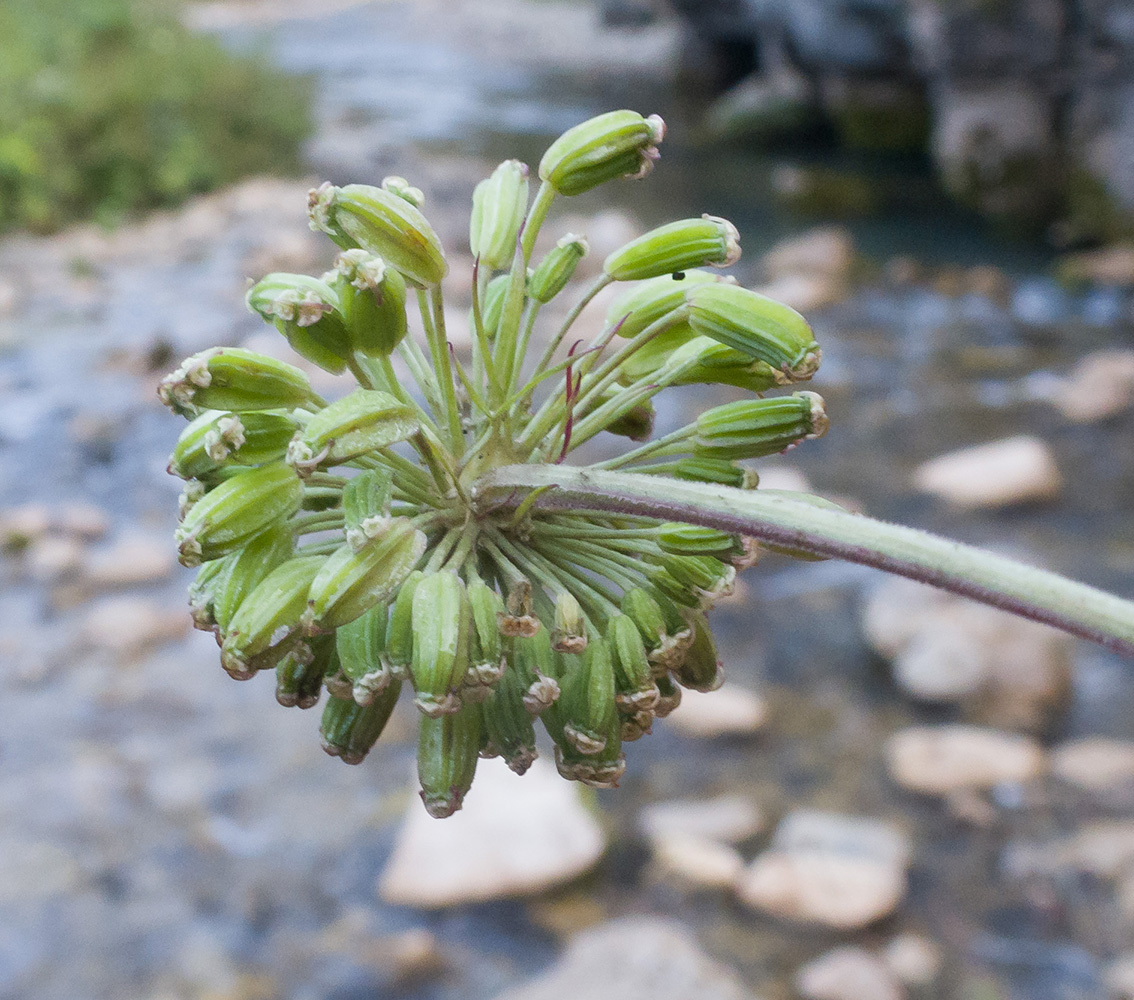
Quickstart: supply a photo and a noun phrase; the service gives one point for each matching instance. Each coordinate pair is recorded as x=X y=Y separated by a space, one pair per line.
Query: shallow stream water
x=200 y=838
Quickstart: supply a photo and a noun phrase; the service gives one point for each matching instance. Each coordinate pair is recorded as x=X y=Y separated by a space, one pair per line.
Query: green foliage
x=111 y=106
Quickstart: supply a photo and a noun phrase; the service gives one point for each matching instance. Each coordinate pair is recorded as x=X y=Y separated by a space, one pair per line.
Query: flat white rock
x=1013 y=470
x=847 y=973
x=941 y=760
x=513 y=836
x=728 y=711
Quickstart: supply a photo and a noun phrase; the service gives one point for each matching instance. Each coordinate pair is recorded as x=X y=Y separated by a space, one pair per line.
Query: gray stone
x=728 y=819
x=728 y=711
x=914 y=959
x=848 y=973
x=695 y=861
x=941 y=760
x=637 y=958
x=1095 y=764
x=844 y=872
x=1013 y=470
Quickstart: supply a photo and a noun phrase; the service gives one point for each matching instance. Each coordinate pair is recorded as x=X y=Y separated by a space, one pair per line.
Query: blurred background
x=895 y=794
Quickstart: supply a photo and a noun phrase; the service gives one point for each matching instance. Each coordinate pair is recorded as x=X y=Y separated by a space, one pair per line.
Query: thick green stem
x=795 y=523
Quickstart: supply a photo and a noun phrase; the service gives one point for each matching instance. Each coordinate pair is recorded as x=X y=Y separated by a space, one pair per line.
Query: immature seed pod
x=697 y=361
x=587 y=706
x=442 y=619
x=373 y=301
x=360 y=645
x=360 y=215
x=349 y=729
x=299 y=675
x=350 y=583
x=721 y=471
x=694 y=540
x=665 y=584
x=635 y=423
x=216 y=438
x=757 y=326
x=360 y=422
x=535 y=664
x=674 y=248
x=231 y=378
x=227 y=516
x=752 y=428
x=518 y=619
x=601 y=770
x=399 y=627
x=700 y=669
x=705 y=576
x=447 y=749
x=669 y=696
x=486 y=651
x=265 y=625
x=569 y=633
x=307 y=311
x=634 y=681
x=255 y=560
x=499 y=205
x=556 y=269
x=644 y=611
x=204 y=589
x=507 y=725
x=616 y=144
x=643 y=304
x=366 y=506
x=492 y=306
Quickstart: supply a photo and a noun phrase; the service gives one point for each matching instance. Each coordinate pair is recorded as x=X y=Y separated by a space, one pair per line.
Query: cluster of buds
x=343 y=546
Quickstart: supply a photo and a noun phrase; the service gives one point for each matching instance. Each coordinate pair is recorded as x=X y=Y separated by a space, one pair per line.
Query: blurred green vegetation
x=112 y=106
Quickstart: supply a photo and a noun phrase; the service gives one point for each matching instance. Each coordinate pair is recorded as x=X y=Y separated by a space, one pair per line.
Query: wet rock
x=637 y=958
x=728 y=711
x=512 y=837
x=128 y=627
x=1002 y=670
x=1113 y=265
x=1013 y=470
x=847 y=974
x=1096 y=764
x=941 y=760
x=695 y=861
x=132 y=560
x=844 y=872
x=727 y=818
x=824 y=252
x=914 y=959
x=764 y=108
x=23 y=525
x=1098 y=387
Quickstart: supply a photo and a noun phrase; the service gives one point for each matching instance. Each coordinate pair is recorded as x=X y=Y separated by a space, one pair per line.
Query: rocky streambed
x=894 y=795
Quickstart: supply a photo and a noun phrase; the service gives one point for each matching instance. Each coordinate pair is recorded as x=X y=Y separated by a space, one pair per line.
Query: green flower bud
x=492 y=307
x=694 y=540
x=507 y=724
x=557 y=268
x=373 y=298
x=714 y=470
x=704 y=575
x=700 y=669
x=360 y=646
x=600 y=770
x=665 y=584
x=635 y=423
x=757 y=326
x=499 y=205
x=447 y=749
x=751 y=428
x=230 y=378
x=215 y=438
x=384 y=223
x=634 y=681
x=224 y=518
x=256 y=559
x=366 y=507
x=586 y=706
x=569 y=634
x=404 y=190
x=264 y=626
x=677 y=635
x=350 y=583
x=696 y=361
x=674 y=248
x=307 y=311
x=399 y=628
x=535 y=664
x=203 y=592
x=669 y=696
x=616 y=144
x=349 y=729
x=642 y=305
x=441 y=621
x=644 y=611
x=299 y=675
x=362 y=421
